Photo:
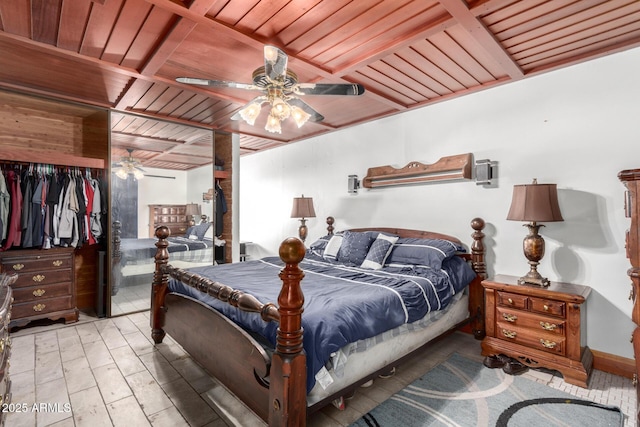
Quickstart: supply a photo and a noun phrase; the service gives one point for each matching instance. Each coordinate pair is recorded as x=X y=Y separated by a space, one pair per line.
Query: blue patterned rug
x=462 y=392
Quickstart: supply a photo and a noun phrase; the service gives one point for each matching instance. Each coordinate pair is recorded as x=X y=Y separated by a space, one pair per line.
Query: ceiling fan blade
x=315 y=116
x=215 y=83
x=349 y=89
x=275 y=63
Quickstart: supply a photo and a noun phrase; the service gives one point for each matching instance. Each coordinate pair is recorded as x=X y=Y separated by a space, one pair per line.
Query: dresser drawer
x=22 y=264
x=531 y=321
x=42 y=278
x=548 y=307
x=35 y=293
x=532 y=339
x=42 y=306
x=508 y=299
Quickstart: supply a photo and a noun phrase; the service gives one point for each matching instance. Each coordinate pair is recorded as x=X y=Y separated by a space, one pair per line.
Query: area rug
x=462 y=392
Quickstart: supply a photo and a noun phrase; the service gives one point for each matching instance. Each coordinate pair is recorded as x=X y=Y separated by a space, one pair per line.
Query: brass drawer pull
x=38 y=278
x=509 y=317
x=547 y=343
x=39 y=307
x=546 y=307
x=18 y=267
x=548 y=326
x=39 y=292
x=510 y=301
x=57 y=263
x=509 y=334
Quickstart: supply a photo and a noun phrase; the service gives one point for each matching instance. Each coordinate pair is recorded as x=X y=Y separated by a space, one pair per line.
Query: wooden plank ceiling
x=125 y=55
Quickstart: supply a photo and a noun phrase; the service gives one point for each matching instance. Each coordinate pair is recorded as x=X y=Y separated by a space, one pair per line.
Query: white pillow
x=331 y=251
x=379 y=251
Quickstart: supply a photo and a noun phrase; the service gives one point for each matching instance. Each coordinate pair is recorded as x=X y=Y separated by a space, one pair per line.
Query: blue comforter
x=342 y=304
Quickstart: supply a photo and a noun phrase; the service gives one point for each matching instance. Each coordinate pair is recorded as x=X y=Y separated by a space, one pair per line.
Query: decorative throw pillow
x=200 y=230
x=379 y=251
x=423 y=252
x=354 y=248
x=189 y=231
x=333 y=247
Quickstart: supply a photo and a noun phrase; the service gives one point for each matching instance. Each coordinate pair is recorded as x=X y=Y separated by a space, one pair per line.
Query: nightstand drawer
x=531 y=321
x=508 y=299
x=546 y=342
x=549 y=307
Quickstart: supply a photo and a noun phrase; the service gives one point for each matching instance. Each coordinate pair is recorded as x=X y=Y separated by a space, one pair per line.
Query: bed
x=134 y=263
x=285 y=365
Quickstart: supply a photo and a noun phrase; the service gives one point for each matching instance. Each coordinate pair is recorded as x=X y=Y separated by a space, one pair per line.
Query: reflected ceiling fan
x=281 y=90
x=129 y=166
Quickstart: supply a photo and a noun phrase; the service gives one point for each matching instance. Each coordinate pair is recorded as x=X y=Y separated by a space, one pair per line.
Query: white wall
x=576 y=127
x=178 y=187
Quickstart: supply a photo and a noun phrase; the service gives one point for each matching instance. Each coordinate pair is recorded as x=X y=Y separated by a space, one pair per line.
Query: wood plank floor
x=107 y=372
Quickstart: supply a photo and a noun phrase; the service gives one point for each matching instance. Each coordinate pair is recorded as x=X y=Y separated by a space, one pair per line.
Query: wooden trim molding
x=613 y=364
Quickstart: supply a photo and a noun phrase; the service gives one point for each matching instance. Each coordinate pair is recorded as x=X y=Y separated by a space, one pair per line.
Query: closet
x=46 y=141
x=631 y=180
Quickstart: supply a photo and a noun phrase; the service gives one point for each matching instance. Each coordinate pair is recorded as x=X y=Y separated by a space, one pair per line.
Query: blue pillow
x=423 y=252
x=200 y=230
x=379 y=251
x=189 y=231
x=354 y=247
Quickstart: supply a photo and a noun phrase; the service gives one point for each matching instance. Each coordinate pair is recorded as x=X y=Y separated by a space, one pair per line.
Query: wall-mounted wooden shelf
x=50 y=157
x=445 y=169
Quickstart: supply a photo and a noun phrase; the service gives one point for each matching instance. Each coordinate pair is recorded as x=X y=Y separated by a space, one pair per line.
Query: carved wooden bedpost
x=480 y=267
x=288 y=385
x=160 y=283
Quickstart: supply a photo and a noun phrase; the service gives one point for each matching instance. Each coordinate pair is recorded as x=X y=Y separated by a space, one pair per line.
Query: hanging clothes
x=4 y=208
x=14 y=229
x=221 y=209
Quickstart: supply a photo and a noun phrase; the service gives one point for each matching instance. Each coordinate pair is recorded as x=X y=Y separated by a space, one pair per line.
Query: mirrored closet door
x=159 y=173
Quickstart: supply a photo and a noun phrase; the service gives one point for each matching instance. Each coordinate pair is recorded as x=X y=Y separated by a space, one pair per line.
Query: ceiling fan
x=129 y=166
x=281 y=90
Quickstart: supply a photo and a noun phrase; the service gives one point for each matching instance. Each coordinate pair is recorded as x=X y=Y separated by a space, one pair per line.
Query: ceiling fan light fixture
x=122 y=173
x=250 y=113
x=137 y=173
x=280 y=109
x=299 y=115
x=273 y=124
x=270 y=53
x=129 y=166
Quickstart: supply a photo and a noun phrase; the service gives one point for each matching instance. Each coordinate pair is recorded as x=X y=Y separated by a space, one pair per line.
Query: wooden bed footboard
x=273 y=387
x=243 y=365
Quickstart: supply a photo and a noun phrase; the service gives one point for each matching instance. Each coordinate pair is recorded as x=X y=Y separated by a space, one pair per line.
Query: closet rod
x=49 y=157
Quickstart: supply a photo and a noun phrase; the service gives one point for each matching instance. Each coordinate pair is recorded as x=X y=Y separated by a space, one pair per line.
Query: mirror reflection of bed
x=138 y=208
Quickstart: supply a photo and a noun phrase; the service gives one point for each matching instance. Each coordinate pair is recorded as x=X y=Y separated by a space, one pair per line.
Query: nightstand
x=539 y=327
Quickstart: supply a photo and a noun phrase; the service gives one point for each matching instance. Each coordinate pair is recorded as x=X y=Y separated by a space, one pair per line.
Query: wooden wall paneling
x=41 y=130
x=223 y=149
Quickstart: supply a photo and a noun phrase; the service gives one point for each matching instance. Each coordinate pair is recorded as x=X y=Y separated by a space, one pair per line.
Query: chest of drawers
x=540 y=327
x=45 y=286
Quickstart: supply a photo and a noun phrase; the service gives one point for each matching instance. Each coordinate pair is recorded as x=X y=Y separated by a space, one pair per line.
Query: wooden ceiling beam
x=482 y=36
